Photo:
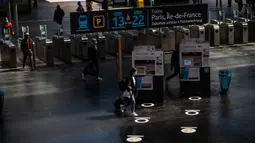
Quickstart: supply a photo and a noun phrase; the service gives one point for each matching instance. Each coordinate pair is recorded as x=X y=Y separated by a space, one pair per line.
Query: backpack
x=122 y=85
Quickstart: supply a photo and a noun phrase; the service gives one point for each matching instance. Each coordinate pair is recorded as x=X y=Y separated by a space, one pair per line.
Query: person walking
x=26 y=48
x=131 y=82
x=80 y=7
x=58 y=18
x=93 y=67
x=174 y=64
x=129 y=100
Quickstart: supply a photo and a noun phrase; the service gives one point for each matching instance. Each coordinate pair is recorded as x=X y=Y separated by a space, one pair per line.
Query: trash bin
x=225 y=78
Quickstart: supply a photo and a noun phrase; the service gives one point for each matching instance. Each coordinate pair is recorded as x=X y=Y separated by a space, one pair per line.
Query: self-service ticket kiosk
x=149 y=63
x=194 y=68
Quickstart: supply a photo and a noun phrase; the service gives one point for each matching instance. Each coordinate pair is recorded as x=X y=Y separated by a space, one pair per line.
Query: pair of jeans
x=176 y=72
x=92 y=68
x=27 y=54
x=130 y=102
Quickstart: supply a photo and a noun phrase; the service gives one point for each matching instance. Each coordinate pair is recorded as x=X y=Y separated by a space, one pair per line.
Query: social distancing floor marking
x=142 y=120
x=195 y=98
x=192 y=112
x=147 y=105
x=134 y=138
x=188 y=130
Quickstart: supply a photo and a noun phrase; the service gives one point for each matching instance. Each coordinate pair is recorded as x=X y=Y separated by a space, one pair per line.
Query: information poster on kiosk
x=193 y=55
x=149 y=63
x=144 y=82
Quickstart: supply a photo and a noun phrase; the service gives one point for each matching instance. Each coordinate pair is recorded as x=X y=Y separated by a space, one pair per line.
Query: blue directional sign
x=117 y=19
x=136 y=18
x=85 y=22
x=127 y=19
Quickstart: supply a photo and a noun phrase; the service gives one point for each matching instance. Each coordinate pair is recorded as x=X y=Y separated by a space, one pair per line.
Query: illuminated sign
x=178 y=15
x=117 y=19
x=86 y=22
x=99 y=21
x=138 y=18
x=127 y=19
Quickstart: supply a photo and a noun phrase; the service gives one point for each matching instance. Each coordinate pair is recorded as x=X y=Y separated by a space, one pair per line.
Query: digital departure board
x=127 y=19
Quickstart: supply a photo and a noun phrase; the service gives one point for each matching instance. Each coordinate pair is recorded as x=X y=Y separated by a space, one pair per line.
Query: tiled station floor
x=55 y=106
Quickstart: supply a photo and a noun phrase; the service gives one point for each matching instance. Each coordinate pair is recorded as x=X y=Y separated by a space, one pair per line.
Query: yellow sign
x=140 y=3
x=99 y=21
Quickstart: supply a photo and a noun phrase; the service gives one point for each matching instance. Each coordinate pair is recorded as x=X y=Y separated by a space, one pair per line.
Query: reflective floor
x=53 y=105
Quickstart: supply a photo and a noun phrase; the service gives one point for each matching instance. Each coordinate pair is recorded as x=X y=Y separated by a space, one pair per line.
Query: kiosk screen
x=187 y=63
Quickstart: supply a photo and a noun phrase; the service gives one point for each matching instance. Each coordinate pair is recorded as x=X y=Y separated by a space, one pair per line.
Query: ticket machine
x=194 y=68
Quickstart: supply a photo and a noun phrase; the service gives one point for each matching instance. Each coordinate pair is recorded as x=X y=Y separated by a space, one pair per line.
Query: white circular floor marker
x=141 y=120
x=195 y=98
x=134 y=139
x=191 y=112
x=147 y=105
x=188 y=130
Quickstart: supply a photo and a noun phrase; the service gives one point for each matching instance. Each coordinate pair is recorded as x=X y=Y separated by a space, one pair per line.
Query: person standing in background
x=58 y=17
x=80 y=7
x=7 y=26
x=217 y=1
x=175 y=64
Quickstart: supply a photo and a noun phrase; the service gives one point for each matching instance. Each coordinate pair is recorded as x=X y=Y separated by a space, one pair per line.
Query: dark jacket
x=129 y=82
x=175 y=60
x=58 y=15
x=24 y=47
x=93 y=53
